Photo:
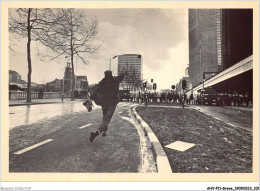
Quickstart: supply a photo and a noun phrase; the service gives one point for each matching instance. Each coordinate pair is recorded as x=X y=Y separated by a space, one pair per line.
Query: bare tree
x=25 y=22
x=72 y=35
x=132 y=80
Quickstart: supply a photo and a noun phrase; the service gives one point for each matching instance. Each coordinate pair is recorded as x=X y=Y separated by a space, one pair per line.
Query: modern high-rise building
x=132 y=65
x=204 y=43
x=218 y=40
x=237 y=35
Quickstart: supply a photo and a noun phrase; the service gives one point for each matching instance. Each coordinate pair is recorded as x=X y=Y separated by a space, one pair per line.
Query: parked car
x=209 y=96
x=124 y=94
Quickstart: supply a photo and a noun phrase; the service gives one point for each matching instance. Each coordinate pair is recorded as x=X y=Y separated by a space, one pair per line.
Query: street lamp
x=204 y=76
x=110 y=61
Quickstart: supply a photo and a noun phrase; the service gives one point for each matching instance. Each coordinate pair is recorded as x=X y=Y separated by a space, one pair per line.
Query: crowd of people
x=228 y=99
x=154 y=96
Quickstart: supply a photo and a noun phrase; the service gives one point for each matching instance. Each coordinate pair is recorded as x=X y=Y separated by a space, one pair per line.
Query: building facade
x=14 y=77
x=132 y=65
x=81 y=83
x=179 y=85
x=68 y=78
x=54 y=86
x=218 y=40
x=237 y=35
x=204 y=43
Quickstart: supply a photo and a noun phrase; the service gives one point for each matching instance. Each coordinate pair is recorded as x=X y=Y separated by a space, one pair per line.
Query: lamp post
x=204 y=76
x=110 y=61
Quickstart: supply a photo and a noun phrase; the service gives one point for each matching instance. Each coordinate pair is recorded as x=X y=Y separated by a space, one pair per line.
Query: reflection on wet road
x=25 y=115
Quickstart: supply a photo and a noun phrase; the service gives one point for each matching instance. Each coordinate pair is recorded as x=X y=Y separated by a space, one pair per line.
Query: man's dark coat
x=107 y=90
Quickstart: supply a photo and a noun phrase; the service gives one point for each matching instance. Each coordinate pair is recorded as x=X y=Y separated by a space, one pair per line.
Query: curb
x=160 y=156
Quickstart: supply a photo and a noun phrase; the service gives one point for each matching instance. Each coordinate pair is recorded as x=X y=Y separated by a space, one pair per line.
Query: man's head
x=108 y=73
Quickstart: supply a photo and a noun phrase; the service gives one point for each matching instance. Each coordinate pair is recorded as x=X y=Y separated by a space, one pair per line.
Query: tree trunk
x=73 y=78
x=72 y=64
x=29 y=58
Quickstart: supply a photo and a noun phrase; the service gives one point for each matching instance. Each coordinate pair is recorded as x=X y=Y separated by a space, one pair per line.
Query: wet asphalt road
x=29 y=114
x=63 y=130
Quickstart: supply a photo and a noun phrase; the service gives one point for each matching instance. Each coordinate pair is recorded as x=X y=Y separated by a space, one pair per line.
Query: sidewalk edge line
x=162 y=160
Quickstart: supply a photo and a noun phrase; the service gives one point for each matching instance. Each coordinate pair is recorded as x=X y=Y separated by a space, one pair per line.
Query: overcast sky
x=159 y=35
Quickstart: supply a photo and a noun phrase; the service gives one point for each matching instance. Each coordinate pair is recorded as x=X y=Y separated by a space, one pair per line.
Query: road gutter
x=163 y=165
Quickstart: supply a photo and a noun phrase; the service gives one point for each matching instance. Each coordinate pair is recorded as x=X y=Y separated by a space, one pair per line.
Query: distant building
x=68 y=78
x=237 y=35
x=187 y=72
x=179 y=85
x=42 y=86
x=204 y=43
x=14 y=77
x=218 y=40
x=54 y=86
x=81 y=83
x=132 y=64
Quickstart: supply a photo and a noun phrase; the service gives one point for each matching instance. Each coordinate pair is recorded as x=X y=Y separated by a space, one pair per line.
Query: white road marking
x=32 y=147
x=85 y=126
x=231 y=124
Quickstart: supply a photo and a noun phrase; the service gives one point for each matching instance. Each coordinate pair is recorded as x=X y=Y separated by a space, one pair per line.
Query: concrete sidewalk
x=39 y=101
x=178 y=105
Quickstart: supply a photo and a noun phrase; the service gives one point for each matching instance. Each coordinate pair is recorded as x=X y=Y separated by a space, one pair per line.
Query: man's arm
x=120 y=78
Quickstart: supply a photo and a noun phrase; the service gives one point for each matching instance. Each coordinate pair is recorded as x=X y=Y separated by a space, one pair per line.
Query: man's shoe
x=93 y=135
x=104 y=134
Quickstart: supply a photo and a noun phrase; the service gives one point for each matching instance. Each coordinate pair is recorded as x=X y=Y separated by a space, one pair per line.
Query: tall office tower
x=218 y=39
x=132 y=64
x=204 y=43
x=237 y=35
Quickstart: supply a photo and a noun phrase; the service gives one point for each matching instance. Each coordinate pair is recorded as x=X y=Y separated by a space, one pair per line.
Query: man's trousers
x=108 y=112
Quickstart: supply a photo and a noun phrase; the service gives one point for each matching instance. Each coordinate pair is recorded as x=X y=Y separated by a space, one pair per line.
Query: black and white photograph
x=131 y=90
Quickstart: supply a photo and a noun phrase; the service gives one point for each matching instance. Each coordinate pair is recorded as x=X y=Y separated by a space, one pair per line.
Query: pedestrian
x=191 y=98
x=107 y=95
x=40 y=94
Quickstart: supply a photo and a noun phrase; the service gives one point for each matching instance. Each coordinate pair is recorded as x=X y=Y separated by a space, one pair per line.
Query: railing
x=15 y=95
